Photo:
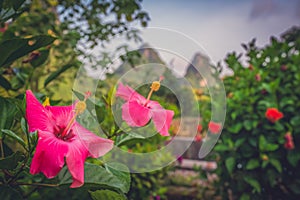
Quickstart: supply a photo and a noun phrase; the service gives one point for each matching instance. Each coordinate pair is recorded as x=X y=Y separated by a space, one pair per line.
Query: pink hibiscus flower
x=137 y=111
x=60 y=137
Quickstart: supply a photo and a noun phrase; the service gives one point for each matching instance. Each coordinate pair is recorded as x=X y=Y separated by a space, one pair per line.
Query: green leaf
x=239 y=142
x=264 y=164
x=262 y=142
x=17 y=4
x=221 y=147
x=276 y=164
x=121 y=172
x=129 y=137
x=272 y=176
x=106 y=195
x=8 y=110
x=100 y=113
x=33 y=138
x=78 y=95
x=252 y=164
x=14 y=136
x=24 y=125
x=11 y=50
x=265 y=104
x=293 y=157
x=271 y=147
x=41 y=59
x=11 y=162
x=235 y=128
x=5 y=83
x=55 y=74
x=10 y=9
x=245 y=197
x=269 y=90
x=99 y=108
x=95 y=176
x=264 y=146
x=248 y=125
x=230 y=164
x=254 y=183
x=295 y=121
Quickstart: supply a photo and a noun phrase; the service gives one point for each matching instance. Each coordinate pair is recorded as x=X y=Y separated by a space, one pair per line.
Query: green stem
x=2 y=150
x=29 y=79
x=116 y=134
x=36 y=184
x=20 y=170
x=28 y=141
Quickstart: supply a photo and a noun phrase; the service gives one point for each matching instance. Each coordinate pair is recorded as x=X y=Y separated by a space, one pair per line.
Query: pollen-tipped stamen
x=154 y=88
x=79 y=109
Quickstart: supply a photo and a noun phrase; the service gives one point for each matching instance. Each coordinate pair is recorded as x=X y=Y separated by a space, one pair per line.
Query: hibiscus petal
x=135 y=114
x=161 y=117
x=49 y=155
x=162 y=122
x=34 y=111
x=96 y=145
x=129 y=94
x=77 y=153
x=61 y=114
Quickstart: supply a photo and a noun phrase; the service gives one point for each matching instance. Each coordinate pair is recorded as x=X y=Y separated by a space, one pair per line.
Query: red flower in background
x=214 y=127
x=289 y=142
x=198 y=137
x=199 y=128
x=273 y=115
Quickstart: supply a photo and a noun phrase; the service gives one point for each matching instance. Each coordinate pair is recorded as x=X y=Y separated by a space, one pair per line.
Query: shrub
x=258 y=156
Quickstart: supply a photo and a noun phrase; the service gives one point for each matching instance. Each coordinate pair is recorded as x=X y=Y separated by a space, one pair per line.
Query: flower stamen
x=79 y=109
x=154 y=88
x=46 y=102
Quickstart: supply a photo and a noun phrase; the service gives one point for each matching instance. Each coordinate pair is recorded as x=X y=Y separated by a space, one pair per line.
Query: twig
x=36 y=184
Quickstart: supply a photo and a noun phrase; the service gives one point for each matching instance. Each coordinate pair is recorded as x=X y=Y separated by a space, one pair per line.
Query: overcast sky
x=218 y=26
x=178 y=29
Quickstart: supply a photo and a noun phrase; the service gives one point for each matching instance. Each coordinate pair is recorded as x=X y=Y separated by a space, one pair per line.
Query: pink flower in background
x=60 y=137
x=179 y=159
x=3 y=29
x=283 y=68
x=258 y=77
x=137 y=110
x=214 y=127
x=289 y=142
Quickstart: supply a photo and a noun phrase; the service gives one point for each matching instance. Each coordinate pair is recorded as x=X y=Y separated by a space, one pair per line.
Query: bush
x=258 y=156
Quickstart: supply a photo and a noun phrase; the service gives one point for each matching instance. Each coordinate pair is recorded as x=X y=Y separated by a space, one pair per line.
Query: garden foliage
x=258 y=154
